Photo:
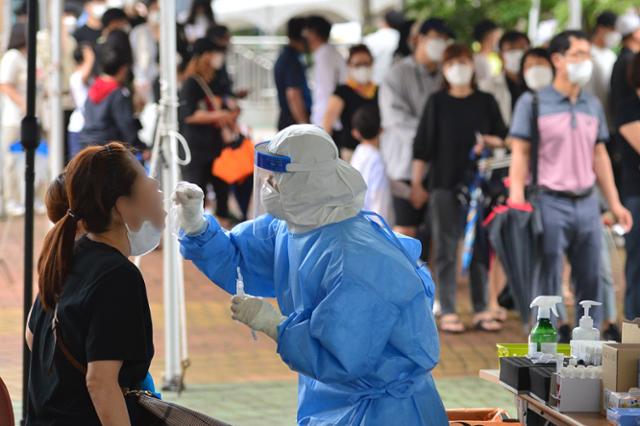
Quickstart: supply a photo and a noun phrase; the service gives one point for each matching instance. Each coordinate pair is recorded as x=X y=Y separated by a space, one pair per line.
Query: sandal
x=451 y=324
x=488 y=325
x=499 y=314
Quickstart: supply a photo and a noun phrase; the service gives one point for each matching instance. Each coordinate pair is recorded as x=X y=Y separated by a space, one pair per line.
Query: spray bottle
x=543 y=337
x=586 y=330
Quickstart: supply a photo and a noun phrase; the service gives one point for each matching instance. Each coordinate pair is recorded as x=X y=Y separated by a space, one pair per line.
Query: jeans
x=447 y=228
x=632 y=267
x=571 y=226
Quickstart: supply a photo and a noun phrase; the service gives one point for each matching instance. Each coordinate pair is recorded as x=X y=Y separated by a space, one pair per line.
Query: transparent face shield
x=266 y=195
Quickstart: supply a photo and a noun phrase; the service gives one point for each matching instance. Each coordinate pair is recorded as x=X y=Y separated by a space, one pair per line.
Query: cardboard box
x=620 y=366
x=575 y=395
x=631 y=331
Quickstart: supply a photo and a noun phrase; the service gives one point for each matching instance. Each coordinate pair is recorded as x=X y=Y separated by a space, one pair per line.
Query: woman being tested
x=92 y=312
x=355 y=305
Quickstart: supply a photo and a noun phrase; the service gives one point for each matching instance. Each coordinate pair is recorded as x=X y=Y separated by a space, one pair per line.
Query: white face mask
x=69 y=23
x=144 y=240
x=512 y=59
x=612 y=39
x=459 y=74
x=271 y=200
x=97 y=10
x=435 y=48
x=217 y=61
x=538 y=77
x=580 y=72
x=361 y=75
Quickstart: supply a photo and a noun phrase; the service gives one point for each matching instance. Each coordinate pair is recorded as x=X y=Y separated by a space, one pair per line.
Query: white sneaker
x=15 y=209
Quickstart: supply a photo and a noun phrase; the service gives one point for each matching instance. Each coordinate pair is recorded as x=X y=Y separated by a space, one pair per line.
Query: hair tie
x=72 y=215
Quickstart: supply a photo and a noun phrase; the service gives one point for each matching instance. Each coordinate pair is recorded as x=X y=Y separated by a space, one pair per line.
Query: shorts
x=406 y=215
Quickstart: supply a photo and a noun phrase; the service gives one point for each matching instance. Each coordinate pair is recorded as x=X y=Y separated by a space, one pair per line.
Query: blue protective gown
x=359 y=328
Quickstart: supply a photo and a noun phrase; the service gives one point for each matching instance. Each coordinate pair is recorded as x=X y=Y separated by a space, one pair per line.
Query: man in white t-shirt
x=604 y=39
x=368 y=161
x=13 y=84
x=329 y=67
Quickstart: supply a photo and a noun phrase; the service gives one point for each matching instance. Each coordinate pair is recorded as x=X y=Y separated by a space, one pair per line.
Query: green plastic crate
x=522 y=349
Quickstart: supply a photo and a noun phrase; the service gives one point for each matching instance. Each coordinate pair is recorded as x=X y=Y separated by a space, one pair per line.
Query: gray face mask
x=144 y=240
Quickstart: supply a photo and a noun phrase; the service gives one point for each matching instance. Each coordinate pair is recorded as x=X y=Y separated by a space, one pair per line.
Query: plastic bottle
x=543 y=337
x=585 y=329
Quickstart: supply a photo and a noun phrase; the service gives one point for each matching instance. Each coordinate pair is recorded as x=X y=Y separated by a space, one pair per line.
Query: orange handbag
x=235 y=162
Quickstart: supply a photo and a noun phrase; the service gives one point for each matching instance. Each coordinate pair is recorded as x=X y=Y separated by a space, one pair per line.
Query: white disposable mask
x=361 y=75
x=512 y=59
x=580 y=72
x=144 y=240
x=435 y=48
x=612 y=39
x=538 y=77
x=97 y=10
x=459 y=74
x=217 y=61
x=69 y=23
x=271 y=200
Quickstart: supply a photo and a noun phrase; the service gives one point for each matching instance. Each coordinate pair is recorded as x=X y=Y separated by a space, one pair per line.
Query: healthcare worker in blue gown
x=355 y=305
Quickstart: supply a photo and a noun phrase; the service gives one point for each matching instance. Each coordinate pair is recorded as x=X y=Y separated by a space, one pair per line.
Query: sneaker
x=612 y=333
x=564 y=334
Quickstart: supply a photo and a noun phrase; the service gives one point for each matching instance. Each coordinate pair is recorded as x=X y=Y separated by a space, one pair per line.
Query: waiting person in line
x=487 y=33
x=108 y=111
x=536 y=71
x=199 y=20
x=329 y=68
x=402 y=97
x=365 y=127
x=629 y=132
x=144 y=39
x=572 y=158
x=358 y=90
x=455 y=121
x=383 y=43
x=79 y=83
x=90 y=32
x=80 y=281
x=354 y=316
x=202 y=118
x=13 y=84
x=294 y=96
x=507 y=86
x=604 y=39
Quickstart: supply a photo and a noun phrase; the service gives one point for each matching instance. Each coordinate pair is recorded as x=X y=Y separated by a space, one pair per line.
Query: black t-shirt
x=104 y=315
x=205 y=140
x=628 y=112
x=515 y=89
x=620 y=87
x=289 y=72
x=352 y=101
x=87 y=35
x=446 y=134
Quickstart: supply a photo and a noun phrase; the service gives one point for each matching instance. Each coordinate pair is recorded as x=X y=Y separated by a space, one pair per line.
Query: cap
x=627 y=24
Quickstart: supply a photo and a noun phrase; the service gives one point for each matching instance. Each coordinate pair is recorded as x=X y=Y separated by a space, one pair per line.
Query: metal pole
x=575 y=15
x=30 y=138
x=171 y=255
x=56 y=134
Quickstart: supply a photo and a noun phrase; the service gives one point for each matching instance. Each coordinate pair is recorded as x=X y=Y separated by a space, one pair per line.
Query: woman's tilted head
x=105 y=188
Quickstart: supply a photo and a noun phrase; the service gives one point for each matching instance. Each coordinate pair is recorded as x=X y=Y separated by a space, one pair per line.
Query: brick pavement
x=223 y=355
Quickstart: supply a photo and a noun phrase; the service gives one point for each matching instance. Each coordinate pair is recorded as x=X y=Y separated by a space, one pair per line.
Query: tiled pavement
x=232 y=376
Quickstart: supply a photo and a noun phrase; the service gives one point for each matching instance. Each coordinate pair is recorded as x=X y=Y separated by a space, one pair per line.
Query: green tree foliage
x=462 y=15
